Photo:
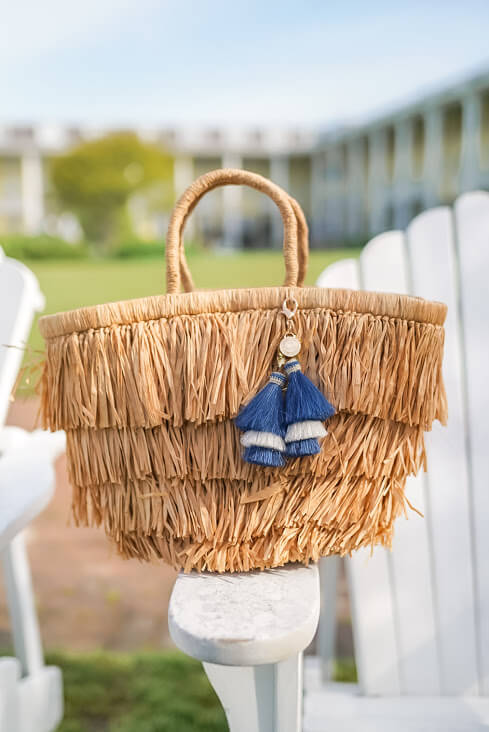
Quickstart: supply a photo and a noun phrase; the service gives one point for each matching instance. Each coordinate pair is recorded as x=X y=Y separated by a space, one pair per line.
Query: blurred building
x=379 y=175
x=352 y=182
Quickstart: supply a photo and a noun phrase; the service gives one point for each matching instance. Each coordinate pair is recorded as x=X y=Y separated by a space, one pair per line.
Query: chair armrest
x=26 y=487
x=245 y=619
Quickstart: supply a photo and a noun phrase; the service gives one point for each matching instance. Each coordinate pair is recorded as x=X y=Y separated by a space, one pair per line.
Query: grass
x=143 y=692
x=139 y=692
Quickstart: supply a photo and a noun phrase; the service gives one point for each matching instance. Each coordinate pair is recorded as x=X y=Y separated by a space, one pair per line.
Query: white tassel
x=308 y=430
x=253 y=438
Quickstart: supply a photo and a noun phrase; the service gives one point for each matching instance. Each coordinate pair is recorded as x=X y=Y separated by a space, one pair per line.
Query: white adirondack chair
x=30 y=692
x=421 y=612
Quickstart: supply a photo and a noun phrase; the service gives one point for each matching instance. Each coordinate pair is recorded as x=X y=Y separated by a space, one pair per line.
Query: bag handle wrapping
x=295 y=226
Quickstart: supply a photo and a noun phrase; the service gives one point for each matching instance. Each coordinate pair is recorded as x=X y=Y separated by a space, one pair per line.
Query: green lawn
x=72 y=284
x=139 y=692
x=143 y=692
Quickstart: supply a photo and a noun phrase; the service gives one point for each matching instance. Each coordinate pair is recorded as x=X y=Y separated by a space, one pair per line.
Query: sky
x=230 y=63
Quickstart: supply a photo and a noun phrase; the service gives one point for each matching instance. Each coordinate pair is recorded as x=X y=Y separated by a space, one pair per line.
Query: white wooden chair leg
x=265 y=698
x=9 y=708
x=20 y=599
x=328 y=582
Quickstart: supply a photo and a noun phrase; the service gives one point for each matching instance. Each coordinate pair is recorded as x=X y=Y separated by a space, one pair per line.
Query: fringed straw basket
x=146 y=391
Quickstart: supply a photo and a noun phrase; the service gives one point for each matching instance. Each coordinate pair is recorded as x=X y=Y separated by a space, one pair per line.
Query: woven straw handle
x=295 y=226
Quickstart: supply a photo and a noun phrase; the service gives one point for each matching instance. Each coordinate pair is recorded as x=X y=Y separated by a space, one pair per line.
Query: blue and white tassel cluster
x=276 y=427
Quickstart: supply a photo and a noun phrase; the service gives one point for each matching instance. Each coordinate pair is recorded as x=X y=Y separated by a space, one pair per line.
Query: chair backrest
x=20 y=298
x=421 y=612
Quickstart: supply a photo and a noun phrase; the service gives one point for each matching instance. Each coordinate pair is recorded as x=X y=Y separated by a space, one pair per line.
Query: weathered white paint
x=250 y=629
x=245 y=619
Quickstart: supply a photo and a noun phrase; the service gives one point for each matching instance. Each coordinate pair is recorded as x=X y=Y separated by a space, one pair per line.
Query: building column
x=355 y=186
x=32 y=192
x=433 y=168
x=232 y=213
x=183 y=175
x=335 y=204
x=279 y=174
x=471 y=142
x=403 y=172
x=317 y=223
x=377 y=174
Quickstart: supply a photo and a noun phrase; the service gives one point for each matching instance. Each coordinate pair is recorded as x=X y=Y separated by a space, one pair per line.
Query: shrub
x=43 y=246
x=137 y=249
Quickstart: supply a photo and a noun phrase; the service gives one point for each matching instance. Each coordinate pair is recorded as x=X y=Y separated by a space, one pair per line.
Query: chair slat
x=343 y=273
x=472 y=224
x=433 y=268
x=376 y=631
x=383 y=263
x=20 y=297
x=346 y=274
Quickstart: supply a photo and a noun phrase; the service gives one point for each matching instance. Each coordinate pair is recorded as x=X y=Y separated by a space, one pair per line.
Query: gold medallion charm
x=290 y=345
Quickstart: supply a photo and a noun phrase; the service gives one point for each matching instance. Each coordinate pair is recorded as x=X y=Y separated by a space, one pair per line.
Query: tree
x=96 y=179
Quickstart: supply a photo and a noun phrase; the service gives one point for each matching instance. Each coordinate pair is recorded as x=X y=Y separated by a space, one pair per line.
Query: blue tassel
x=302 y=448
x=304 y=401
x=264 y=456
x=265 y=412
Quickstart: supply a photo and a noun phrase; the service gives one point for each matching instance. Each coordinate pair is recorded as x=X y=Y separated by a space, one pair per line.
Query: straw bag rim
x=383 y=305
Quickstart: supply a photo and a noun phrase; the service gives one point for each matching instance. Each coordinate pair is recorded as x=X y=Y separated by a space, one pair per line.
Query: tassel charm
x=273 y=431
x=305 y=411
x=262 y=421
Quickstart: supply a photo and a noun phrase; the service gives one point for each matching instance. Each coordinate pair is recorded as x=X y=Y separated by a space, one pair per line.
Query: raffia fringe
x=229 y=525
x=355 y=445
x=306 y=544
x=146 y=390
x=202 y=368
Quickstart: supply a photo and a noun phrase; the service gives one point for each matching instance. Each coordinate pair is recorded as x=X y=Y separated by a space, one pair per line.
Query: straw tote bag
x=148 y=391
